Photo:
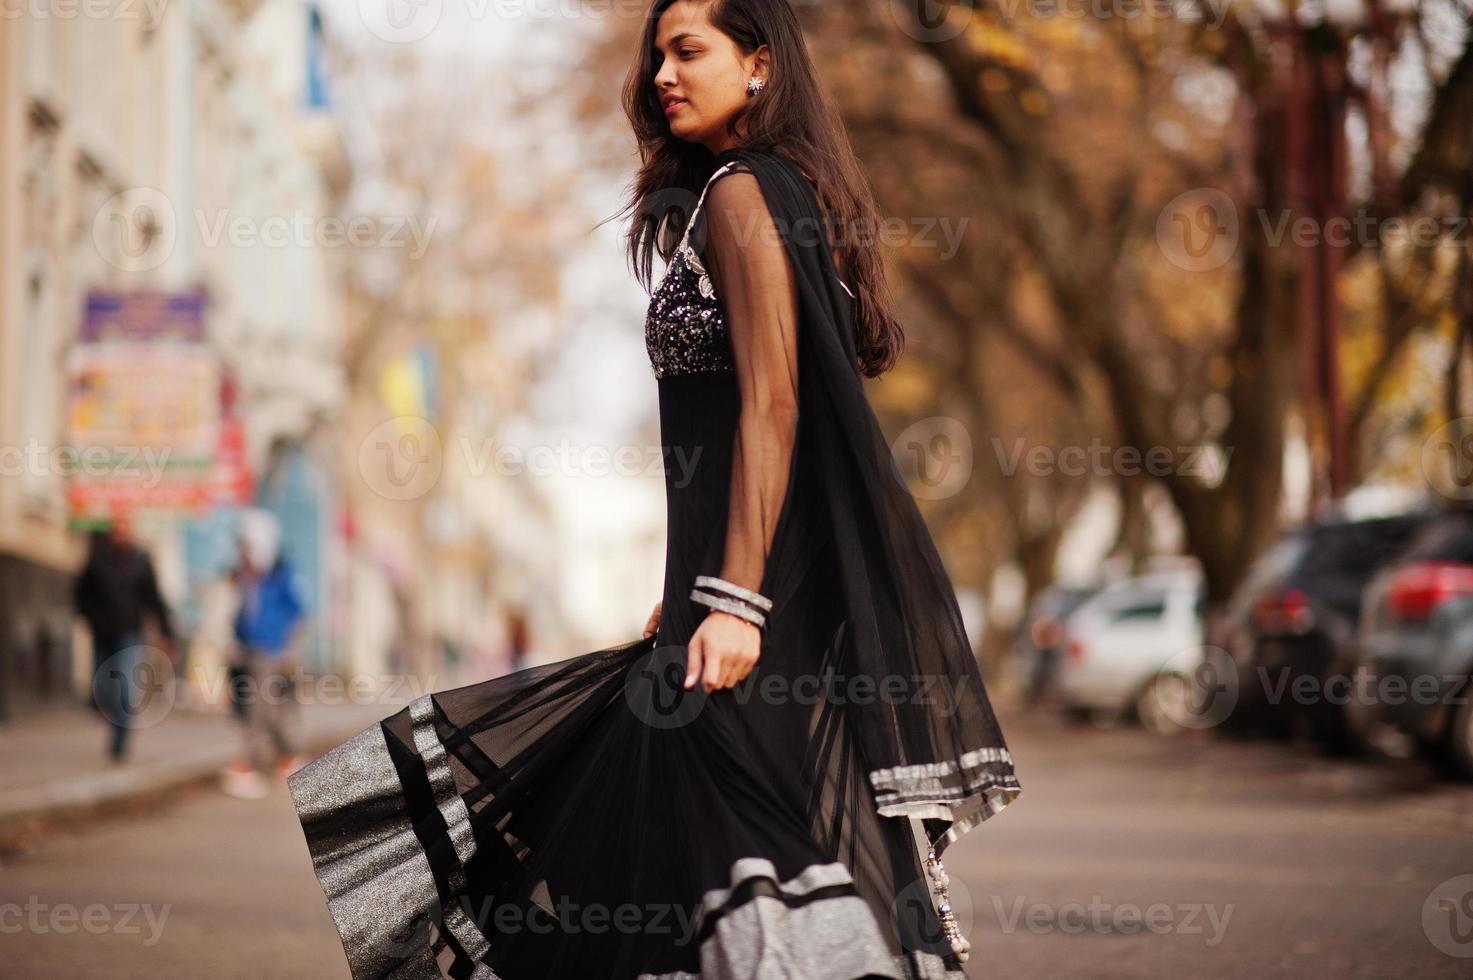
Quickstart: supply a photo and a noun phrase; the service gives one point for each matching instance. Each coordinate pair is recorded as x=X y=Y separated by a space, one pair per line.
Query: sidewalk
x=55 y=762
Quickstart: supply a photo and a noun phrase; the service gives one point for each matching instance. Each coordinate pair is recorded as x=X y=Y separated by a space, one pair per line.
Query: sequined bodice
x=685 y=328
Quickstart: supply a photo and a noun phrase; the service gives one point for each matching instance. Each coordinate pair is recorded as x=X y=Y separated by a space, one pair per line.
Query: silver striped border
x=458 y=822
x=717 y=959
x=813 y=877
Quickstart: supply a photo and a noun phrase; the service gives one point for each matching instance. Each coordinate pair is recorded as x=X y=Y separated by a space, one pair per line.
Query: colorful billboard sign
x=143 y=407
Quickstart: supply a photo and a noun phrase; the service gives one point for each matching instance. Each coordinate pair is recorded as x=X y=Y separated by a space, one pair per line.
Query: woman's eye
x=687 y=52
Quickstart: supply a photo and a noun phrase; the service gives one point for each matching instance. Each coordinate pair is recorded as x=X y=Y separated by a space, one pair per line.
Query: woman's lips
x=672 y=107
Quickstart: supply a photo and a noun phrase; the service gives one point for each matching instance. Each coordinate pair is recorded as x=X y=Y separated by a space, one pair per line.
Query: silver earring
x=754 y=85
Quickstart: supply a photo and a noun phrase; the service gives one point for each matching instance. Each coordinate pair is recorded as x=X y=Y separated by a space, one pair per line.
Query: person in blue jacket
x=273 y=607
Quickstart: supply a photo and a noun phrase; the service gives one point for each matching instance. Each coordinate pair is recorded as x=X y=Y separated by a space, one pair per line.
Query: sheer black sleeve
x=753 y=276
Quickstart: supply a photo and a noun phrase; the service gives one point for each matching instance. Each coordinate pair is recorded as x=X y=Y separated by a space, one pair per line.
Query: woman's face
x=702 y=78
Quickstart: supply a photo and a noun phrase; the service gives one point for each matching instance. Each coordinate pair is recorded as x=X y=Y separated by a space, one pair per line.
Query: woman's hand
x=654 y=621
x=723 y=650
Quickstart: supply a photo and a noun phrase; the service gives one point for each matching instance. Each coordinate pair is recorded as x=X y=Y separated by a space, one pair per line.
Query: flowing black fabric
x=932 y=748
x=592 y=818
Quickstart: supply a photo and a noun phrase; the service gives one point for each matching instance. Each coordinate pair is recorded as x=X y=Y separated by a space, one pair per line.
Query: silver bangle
x=735 y=591
x=730 y=606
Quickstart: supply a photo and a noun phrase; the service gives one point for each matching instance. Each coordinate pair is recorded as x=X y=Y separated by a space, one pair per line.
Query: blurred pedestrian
x=115 y=593
x=273 y=608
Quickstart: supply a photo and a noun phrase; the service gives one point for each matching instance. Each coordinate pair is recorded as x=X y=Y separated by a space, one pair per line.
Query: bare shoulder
x=737 y=191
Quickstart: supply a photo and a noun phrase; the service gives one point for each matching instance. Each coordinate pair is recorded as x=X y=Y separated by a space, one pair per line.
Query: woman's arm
x=753 y=276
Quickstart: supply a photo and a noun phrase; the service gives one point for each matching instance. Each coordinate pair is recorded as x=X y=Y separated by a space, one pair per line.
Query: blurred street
x=1264 y=862
x=337 y=344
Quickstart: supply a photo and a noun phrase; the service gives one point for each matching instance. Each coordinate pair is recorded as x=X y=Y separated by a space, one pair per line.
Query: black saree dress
x=593 y=818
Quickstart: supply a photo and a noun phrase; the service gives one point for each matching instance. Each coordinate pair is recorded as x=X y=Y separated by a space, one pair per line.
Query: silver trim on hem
x=370 y=861
x=965 y=791
x=917 y=966
x=832 y=938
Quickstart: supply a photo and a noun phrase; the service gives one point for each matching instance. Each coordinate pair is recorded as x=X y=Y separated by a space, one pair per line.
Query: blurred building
x=195 y=153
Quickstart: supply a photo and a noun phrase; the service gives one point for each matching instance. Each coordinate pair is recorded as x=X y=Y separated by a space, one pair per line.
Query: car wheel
x=1432 y=748
x=1165 y=706
x=1460 y=741
x=1362 y=716
x=1332 y=734
x=1078 y=714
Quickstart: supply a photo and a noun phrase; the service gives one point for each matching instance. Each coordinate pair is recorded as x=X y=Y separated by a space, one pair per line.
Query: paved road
x=1241 y=859
x=1265 y=861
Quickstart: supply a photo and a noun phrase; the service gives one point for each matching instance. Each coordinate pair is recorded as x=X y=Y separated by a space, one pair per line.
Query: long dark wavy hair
x=791 y=116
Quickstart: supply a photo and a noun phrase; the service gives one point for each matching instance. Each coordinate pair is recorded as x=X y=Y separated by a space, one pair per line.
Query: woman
x=727 y=797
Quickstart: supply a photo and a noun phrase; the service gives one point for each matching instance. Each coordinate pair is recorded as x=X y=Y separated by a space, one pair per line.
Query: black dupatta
x=931 y=746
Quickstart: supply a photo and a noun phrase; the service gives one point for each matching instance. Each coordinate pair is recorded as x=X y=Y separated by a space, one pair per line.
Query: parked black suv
x=1416 y=640
x=1290 y=628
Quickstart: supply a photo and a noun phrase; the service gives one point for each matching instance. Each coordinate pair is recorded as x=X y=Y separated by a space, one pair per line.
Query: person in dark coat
x=116 y=592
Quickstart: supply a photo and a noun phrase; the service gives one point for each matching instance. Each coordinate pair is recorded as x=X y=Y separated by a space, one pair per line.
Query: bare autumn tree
x=1089 y=220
